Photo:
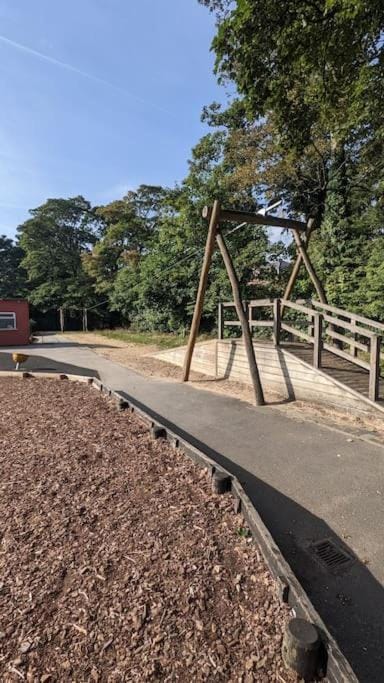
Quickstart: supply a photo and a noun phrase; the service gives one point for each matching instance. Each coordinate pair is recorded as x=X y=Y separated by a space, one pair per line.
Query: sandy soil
x=117 y=562
x=135 y=356
x=139 y=357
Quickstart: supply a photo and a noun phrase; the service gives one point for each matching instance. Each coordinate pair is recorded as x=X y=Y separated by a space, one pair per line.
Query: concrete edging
x=26 y=374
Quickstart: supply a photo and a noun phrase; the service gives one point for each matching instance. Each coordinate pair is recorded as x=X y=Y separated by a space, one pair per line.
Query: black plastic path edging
x=336 y=667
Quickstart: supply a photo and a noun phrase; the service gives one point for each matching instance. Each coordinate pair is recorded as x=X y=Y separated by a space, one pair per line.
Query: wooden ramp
x=339 y=369
x=312 y=352
x=286 y=370
x=340 y=345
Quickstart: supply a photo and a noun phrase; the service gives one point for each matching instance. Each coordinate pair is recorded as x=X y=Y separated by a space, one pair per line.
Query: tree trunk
x=61 y=313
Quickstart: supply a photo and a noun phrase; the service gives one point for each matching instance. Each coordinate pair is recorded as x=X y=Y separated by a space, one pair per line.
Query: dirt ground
x=117 y=562
x=139 y=357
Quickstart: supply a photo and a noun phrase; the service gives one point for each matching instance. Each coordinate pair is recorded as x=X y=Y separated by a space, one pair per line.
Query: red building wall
x=19 y=336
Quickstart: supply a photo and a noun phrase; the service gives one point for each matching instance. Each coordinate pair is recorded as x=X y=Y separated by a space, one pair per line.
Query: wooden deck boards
x=342 y=370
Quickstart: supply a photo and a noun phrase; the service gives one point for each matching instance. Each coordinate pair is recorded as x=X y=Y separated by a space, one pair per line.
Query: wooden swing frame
x=217 y=215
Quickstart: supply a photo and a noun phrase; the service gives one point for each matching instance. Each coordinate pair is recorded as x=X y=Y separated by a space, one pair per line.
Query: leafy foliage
x=311 y=81
x=159 y=291
x=305 y=127
x=128 y=225
x=53 y=241
x=12 y=276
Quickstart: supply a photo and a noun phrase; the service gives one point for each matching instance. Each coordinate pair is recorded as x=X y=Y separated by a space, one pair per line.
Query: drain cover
x=331 y=555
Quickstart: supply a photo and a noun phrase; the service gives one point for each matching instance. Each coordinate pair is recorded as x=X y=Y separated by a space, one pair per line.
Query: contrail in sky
x=79 y=72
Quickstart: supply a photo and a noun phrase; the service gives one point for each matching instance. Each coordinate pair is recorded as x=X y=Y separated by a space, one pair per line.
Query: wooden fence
x=347 y=335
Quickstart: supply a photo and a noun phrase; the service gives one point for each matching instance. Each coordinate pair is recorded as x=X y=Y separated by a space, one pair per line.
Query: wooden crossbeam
x=256 y=219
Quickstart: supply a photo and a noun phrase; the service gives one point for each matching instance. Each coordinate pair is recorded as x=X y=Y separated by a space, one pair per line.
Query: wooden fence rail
x=327 y=328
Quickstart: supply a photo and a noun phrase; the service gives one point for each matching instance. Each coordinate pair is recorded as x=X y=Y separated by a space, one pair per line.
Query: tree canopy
x=310 y=83
x=12 y=275
x=53 y=241
x=303 y=126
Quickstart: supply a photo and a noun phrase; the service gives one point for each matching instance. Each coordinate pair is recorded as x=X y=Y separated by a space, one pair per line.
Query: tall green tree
x=311 y=78
x=128 y=226
x=159 y=291
x=311 y=65
x=12 y=275
x=53 y=241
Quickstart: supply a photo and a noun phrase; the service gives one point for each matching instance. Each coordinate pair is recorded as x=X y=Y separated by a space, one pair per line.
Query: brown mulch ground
x=117 y=562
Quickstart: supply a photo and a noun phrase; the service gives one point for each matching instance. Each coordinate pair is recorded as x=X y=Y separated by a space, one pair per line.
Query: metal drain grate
x=330 y=555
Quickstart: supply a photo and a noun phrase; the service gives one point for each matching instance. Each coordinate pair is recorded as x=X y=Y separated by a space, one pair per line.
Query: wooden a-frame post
x=215 y=215
x=302 y=256
x=247 y=337
x=301 y=248
x=213 y=234
x=209 y=248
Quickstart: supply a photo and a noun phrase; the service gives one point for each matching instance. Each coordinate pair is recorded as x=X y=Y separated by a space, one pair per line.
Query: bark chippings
x=117 y=561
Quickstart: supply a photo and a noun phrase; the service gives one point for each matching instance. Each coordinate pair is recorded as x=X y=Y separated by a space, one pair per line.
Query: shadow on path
x=351 y=602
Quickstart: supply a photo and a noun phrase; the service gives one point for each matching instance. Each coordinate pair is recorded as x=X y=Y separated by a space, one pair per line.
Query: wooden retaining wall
x=280 y=371
x=289 y=376
x=203 y=360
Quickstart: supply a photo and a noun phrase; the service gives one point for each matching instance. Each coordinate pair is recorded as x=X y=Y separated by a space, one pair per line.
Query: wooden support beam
x=209 y=247
x=250 y=351
x=293 y=277
x=301 y=248
x=297 y=265
x=256 y=219
x=62 y=318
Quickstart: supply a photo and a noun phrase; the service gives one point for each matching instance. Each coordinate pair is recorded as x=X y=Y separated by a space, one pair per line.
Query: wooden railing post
x=246 y=311
x=317 y=340
x=374 y=372
x=220 y=320
x=311 y=327
x=354 y=348
x=276 y=321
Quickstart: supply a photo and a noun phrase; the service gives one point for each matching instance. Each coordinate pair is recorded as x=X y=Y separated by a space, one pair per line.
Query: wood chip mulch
x=117 y=562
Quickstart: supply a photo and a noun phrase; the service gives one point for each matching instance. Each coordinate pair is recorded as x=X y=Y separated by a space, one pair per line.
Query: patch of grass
x=161 y=339
x=243 y=532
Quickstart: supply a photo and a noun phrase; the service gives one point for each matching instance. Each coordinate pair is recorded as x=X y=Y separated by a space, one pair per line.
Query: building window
x=7 y=321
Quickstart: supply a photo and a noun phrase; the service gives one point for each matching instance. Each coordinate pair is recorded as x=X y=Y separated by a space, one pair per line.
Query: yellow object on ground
x=19 y=358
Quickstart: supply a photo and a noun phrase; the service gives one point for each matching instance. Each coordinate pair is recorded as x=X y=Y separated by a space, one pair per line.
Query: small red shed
x=14 y=322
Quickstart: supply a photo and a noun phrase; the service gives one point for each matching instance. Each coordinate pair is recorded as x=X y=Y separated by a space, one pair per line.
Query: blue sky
x=98 y=96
